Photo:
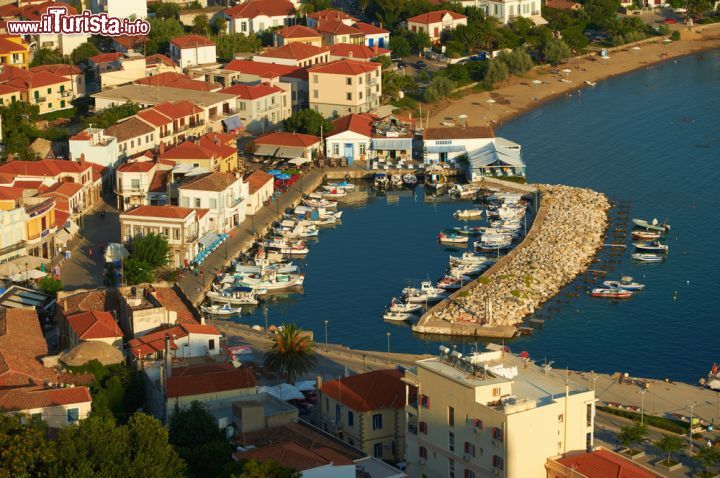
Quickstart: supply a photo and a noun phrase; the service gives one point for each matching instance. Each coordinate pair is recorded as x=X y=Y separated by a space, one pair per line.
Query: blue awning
x=208 y=239
x=232 y=122
x=446 y=148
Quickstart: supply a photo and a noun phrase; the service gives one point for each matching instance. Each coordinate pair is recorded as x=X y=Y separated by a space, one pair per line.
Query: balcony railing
x=191 y=237
x=39 y=99
x=65 y=93
x=15 y=247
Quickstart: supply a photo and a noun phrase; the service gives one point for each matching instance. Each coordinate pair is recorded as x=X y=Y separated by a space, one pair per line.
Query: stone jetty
x=567 y=232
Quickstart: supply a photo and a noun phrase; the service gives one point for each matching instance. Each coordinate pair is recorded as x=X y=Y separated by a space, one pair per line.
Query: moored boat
x=426 y=293
x=468 y=213
x=645 y=235
x=271 y=281
x=398 y=306
x=222 y=310
x=653 y=226
x=452 y=238
x=651 y=246
x=234 y=295
x=610 y=293
x=625 y=283
x=346 y=185
x=397 y=316
x=642 y=257
x=469 y=258
x=410 y=180
x=334 y=194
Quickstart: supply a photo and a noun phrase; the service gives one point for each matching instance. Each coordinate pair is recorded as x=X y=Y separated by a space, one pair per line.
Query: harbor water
x=652 y=138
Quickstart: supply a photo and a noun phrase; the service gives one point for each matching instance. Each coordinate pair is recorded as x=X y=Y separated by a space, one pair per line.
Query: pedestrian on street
x=89 y=251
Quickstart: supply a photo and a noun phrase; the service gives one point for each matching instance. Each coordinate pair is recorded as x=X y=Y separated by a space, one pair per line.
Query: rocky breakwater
x=567 y=232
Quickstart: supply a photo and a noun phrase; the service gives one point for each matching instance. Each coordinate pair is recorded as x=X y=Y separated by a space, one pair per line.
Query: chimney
x=380 y=25
x=82 y=159
x=168 y=359
x=318 y=383
x=9 y=157
x=376 y=49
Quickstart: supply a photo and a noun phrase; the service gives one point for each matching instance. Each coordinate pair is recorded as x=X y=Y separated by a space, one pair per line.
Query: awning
x=62 y=237
x=232 y=122
x=489 y=155
x=446 y=148
x=538 y=20
x=279 y=151
x=390 y=144
x=115 y=252
x=31 y=274
x=208 y=239
x=18 y=264
x=299 y=161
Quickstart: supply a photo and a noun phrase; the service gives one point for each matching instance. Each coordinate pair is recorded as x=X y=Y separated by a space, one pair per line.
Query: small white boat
x=469 y=258
x=397 y=316
x=410 y=180
x=286 y=248
x=450 y=283
x=334 y=194
x=652 y=226
x=651 y=246
x=492 y=242
x=234 y=296
x=346 y=185
x=625 y=283
x=452 y=238
x=426 y=293
x=396 y=181
x=463 y=191
x=320 y=203
x=398 y=306
x=281 y=267
x=610 y=293
x=272 y=281
x=646 y=235
x=224 y=309
x=468 y=270
x=590 y=83
x=468 y=213
x=648 y=257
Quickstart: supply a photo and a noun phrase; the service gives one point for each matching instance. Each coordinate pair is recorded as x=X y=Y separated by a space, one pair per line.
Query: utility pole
x=642 y=406
x=326 y=335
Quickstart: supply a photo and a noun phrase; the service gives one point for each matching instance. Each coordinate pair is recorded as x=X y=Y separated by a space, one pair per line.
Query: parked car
x=420 y=65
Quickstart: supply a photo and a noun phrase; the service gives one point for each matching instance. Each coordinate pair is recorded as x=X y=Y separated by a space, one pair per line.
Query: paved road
x=84 y=271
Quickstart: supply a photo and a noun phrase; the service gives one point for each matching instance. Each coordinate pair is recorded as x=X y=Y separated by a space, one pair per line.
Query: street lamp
x=27 y=281
x=642 y=406
x=388 y=337
x=326 y=336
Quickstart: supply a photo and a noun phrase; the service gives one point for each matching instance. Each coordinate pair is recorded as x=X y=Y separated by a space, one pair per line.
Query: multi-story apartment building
x=261 y=107
x=114 y=69
x=72 y=72
x=349 y=51
x=192 y=50
x=253 y=72
x=50 y=92
x=180 y=225
x=222 y=194
x=173 y=122
x=367 y=411
x=434 y=23
x=259 y=15
x=335 y=31
x=14 y=52
x=97 y=146
x=13 y=233
x=375 y=36
x=141 y=183
x=313 y=19
x=295 y=54
x=507 y=10
x=345 y=86
x=492 y=414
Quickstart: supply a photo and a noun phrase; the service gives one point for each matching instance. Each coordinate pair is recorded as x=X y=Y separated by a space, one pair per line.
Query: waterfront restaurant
x=501 y=158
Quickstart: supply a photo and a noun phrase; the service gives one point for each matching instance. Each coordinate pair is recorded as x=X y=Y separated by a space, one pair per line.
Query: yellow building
x=49 y=91
x=40 y=226
x=492 y=414
x=366 y=411
x=297 y=34
x=344 y=87
x=212 y=152
x=14 y=52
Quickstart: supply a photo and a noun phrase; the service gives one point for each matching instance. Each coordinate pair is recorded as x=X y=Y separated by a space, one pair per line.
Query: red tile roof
x=336 y=27
x=172 y=79
x=100 y=299
x=64 y=189
x=189 y=150
x=348 y=50
x=257 y=179
x=43 y=168
x=191 y=41
x=58 y=69
x=153 y=117
x=255 y=8
x=374 y=390
x=563 y=4
x=251 y=92
x=130 y=42
x=266 y=70
x=154 y=341
x=297 y=31
x=369 y=29
x=167 y=211
x=214 y=181
x=10 y=193
x=8 y=11
x=602 y=463
x=357 y=123
x=20 y=331
x=8 y=90
x=158 y=58
x=222 y=144
x=288 y=139
x=178 y=109
x=106 y=57
x=171 y=299
x=137 y=167
x=132 y=127
x=61 y=217
x=296 y=456
x=295 y=51
x=33 y=12
x=31 y=398
x=19 y=370
x=434 y=17
x=346 y=67
x=7 y=46
x=159 y=181
x=330 y=14
x=94 y=325
x=24 y=79
x=209 y=379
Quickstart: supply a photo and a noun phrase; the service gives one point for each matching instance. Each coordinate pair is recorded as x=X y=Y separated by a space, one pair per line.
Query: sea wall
x=567 y=231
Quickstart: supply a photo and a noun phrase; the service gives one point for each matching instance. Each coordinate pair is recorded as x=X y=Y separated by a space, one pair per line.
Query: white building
x=506 y=10
x=374 y=36
x=14 y=230
x=259 y=15
x=192 y=50
x=121 y=8
x=133 y=136
x=492 y=414
x=263 y=106
x=261 y=187
x=97 y=147
x=223 y=194
x=185 y=340
x=57 y=407
x=434 y=23
x=295 y=54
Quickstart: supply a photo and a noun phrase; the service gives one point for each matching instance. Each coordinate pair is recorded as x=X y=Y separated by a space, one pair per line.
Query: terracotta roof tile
x=296 y=456
x=357 y=123
x=58 y=69
x=212 y=379
x=153 y=117
x=336 y=27
x=562 y=4
x=434 y=17
x=20 y=331
x=214 y=181
x=24 y=79
x=19 y=370
x=283 y=138
x=346 y=67
x=64 y=189
x=189 y=150
x=42 y=168
x=348 y=50
x=167 y=211
x=94 y=324
x=10 y=193
x=266 y=70
x=137 y=167
x=19 y=399
x=100 y=299
x=154 y=341
x=255 y=8
x=257 y=179
x=191 y=41
x=603 y=464
x=369 y=29
x=61 y=218
x=330 y=14
x=130 y=42
x=171 y=299
x=7 y=47
x=106 y=57
x=297 y=31
x=159 y=181
x=158 y=58
x=374 y=390
x=251 y=92
x=131 y=128
x=295 y=51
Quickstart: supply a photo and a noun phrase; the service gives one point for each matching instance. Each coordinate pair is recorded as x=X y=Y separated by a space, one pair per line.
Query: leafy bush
x=440 y=87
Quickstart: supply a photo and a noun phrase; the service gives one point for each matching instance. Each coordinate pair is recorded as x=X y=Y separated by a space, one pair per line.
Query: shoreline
x=518 y=95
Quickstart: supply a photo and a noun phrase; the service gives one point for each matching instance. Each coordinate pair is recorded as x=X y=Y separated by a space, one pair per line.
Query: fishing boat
x=287 y=248
x=223 y=310
x=435 y=178
x=610 y=293
x=396 y=182
x=648 y=257
x=469 y=270
x=426 y=293
x=398 y=306
x=234 y=295
x=645 y=235
x=346 y=185
x=297 y=232
x=452 y=238
x=493 y=241
x=334 y=194
x=319 y=203
x=625 y=283
x=651 y=246
x=320 y=212
x=272 y=281
x=397 y=316
x=469 y=258
x=469 y=231
x=468 y=213
x=281 y=267
x=463 y=191
x=381 y=182
x=450 y=283
x=652 y=226
x=410 y=180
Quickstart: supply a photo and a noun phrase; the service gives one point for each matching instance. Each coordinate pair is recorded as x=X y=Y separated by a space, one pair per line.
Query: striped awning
x=274 y=151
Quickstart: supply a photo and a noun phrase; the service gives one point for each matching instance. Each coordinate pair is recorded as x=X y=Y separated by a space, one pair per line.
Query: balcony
x=412 y=428
x=39 y=99
x=65 y=93
x=190 y=238
x=373 y=81
x=15 y=247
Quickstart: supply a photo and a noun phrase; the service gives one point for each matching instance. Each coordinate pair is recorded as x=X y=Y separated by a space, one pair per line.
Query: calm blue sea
x=651 y=137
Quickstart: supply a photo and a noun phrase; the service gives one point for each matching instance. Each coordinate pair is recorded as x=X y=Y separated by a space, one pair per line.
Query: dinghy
x=222 y=310
x=397 y=316
x=397 y=306
x=452 y=238
x=651 y=246
x=648 y=257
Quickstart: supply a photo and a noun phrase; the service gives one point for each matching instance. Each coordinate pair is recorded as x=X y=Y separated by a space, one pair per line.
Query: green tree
x=707 y=456
x=136 y=272
x=167 y=10
x=161 y=31
x=152 y=249
x=83 y=52
x=201 y=25
x=698 y=8
x=24 y=451
x=219 y=26
x=384 y=60
x=228 y=45
x=266 y=469
x=556 y=51
x=110 y=116
x=117 y=390
x=195 y=435
x=46 y=56
x=632 y=434
x=600 y=13
x=309 y=122
x=18 y=128
x=393 y=83
x=497 y=71
x=399 y=46
x=517 y=61
x=50 y=285
x=418 y=41
x=670 y=444
x=292 y=353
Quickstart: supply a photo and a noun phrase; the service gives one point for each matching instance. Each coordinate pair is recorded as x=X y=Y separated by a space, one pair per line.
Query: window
x=315 y=93
x=498 y=462
x=348 y=81
x=132 y=143
x=243 y=27
x=496 y=392
x=469 y=448
x=377 y=450
x=337 y=414
x=213 y=203
x=73 y=415
x=377 y=421
x=469 y=473
x=451 y=441
x=497 y=433
x=315 y=78
x=561 y=418
x=425 y=401
x=362 y=148
x=477 y=423
x=588 y=415
x=351 y=418
x=422 y=452
x=197 y=202
x=135 y=183
x=211 y=344
x=335 y=149
x=348 y=96
x=62 y=103
x=360 y=95
x=50 y=105
x=423 y=427
x=176 y=234
x=242 y=106
x=451 y=417
x=49 y=91
x=451 y=468
x=166 y=232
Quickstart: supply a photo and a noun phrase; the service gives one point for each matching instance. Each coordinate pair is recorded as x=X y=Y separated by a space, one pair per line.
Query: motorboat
x=469 y=258
x=381 y=182
x=651 y=246
x=499 y=197
x=469 y=270
x=410 y=180
x=319 y=203
x=469 y=231
x=468 y=214
x=320 y=212
x=493 y=241
x=272 y=281
x=646 y=235
x=507 y=212
x=652 y=226
x=345 y=185
x=287 y=248
x=463 y=191
x=397 y=316
x=426 y=293
x=396 y=181
x=452 y=238
x=398 y=306
x=221 y=309
x=234 y=295
x=435 y=178
x=642 y=257
x=610 y=293
x=298 y=231
x=625 y=283
x=450 y=283
x=590 y=83
x=281 y=267
x=334 y=194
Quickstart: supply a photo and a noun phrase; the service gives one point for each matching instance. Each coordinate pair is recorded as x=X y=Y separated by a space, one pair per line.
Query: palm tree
x=670 y=444
x=292 y=353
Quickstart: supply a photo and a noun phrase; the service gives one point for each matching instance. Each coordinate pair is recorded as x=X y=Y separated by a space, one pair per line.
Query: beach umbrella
x=274 y=172
x=283 y=177
x=306 y=385
x=285 y=392
x=636 y=48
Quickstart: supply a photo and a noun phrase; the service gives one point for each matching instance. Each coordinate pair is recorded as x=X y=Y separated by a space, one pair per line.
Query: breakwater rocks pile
x=567 y=232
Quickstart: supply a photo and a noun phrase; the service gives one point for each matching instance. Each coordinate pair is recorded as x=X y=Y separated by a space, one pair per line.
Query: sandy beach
x=519 y=94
